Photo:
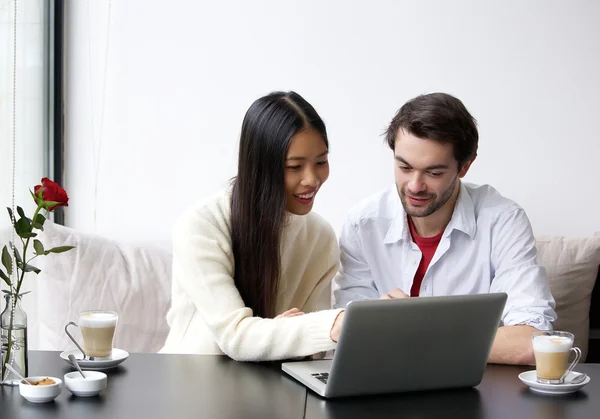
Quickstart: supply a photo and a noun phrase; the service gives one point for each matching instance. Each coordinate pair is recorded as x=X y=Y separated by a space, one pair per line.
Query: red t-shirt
x=427 y=246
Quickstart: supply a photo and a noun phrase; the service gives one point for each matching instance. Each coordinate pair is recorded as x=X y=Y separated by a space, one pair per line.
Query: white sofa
x=134 y=279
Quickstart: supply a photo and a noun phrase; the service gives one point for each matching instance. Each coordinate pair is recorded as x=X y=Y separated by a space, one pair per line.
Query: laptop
x=409 y=344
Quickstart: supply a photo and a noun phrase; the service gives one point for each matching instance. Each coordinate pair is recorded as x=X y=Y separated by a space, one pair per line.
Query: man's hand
x=395 y=293
x=290 y=313
x=512 y=345
x=334 y=334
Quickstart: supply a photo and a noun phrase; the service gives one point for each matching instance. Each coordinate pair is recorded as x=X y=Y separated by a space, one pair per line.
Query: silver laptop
x=410 y=344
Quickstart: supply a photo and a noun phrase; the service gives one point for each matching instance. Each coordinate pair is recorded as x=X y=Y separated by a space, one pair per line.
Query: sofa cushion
x=133 y=279
x=572 y=266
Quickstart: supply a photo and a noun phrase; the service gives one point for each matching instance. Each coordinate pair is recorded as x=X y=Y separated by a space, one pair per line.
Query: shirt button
x=413 y=261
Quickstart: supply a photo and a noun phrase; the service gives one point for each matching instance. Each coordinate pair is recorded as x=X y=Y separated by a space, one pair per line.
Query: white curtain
x=22 y=118
x=90 y=108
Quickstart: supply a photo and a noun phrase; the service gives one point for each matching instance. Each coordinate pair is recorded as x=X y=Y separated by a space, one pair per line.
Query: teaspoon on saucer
x=579 y=379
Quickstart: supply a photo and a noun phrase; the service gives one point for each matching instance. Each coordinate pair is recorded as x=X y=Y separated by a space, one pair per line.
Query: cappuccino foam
x=552 y=344
x=96 y=320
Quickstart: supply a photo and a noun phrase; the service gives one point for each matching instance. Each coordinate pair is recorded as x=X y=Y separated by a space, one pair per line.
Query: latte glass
x=98 y=332
x=552 y=350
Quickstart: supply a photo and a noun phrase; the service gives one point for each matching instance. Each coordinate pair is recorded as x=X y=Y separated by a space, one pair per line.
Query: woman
x=255 y=250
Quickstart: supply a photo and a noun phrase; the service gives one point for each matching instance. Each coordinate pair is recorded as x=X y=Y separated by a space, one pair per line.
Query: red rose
x=52 y=194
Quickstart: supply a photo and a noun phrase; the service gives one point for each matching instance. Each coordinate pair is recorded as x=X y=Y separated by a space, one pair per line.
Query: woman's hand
x=290 y=313
x=395 y=293
x=334 y=334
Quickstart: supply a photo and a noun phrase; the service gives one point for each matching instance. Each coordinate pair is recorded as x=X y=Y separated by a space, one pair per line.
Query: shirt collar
x=399 y=226
x=463 y=219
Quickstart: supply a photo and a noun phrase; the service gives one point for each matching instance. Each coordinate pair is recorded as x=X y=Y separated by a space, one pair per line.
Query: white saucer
x=529 y=378
x=118 y=356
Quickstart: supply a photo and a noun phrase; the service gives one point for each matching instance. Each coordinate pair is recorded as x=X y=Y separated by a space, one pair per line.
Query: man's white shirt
x=488 y=246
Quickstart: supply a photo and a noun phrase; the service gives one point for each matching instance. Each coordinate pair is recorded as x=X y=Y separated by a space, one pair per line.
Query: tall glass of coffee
x=552 y=350
x=98 y=332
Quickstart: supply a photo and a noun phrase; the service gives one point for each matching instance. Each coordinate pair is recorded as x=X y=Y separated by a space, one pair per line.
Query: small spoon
x=76 y=364
x=579 y=379
x=17 y=374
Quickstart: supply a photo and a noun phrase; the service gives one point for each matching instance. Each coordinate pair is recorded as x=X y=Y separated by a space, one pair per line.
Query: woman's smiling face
x=306 y=169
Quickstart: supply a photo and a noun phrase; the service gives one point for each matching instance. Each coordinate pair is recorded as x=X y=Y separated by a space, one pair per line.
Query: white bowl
x=40 y=394
x=91 y=385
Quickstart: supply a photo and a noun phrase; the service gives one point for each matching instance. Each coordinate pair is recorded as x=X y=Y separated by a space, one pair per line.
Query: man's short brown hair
x=440 y=117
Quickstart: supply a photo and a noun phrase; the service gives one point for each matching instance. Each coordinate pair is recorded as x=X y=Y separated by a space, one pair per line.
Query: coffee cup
x=552 y=350
x=98 y=332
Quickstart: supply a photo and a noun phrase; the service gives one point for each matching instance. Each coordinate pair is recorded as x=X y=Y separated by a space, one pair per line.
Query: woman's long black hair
x=258 y=198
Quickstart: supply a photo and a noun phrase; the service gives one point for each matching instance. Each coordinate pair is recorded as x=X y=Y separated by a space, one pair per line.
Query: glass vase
x=13 y=328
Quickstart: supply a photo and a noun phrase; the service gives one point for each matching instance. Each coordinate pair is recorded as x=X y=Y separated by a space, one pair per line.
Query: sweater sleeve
x=203 y=260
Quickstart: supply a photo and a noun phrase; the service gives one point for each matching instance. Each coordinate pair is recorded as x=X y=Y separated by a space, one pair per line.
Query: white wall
x=156 y=92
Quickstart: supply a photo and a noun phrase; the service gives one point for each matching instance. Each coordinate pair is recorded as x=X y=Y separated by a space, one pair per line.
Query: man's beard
x=435 y=204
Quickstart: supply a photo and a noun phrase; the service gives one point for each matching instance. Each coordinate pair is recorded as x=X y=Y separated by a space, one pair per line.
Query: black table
x=501 y=395
x=149 y=386
x=204 y=386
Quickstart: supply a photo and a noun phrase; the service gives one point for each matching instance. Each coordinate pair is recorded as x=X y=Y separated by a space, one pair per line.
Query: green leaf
x=5 y=278
x=23 y=226
x=6 y=260
x=39 y=222
x=27 y=235
x=17 y=254
x=38 y=246
x=22 y=214
x=10 y=214
x=31 y=268
x=59 y=249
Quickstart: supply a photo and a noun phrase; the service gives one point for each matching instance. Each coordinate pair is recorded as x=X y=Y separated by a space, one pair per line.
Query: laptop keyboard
x=321 y=376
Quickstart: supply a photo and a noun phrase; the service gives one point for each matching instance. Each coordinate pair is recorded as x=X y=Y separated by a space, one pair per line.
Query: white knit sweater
x=207 y=314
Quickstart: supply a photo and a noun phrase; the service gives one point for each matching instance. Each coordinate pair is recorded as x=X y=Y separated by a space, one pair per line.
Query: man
x=435 y=235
